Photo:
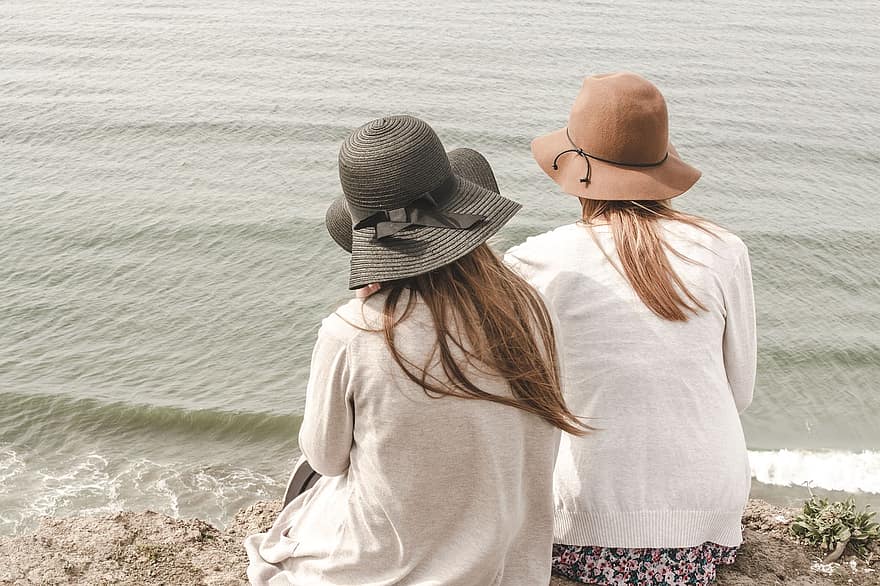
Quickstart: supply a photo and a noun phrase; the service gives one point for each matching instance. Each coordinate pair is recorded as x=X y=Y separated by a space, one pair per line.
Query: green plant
x=836 y=525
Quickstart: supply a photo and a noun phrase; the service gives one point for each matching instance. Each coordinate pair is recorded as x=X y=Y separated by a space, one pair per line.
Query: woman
x=657 y=329
x=433 y=407
x=466 y=163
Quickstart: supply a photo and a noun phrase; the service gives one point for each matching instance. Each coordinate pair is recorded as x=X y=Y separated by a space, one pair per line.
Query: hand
x=365 y=292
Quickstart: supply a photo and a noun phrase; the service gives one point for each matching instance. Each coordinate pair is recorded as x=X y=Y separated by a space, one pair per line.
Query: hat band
x=423 y=211
x=587 y=156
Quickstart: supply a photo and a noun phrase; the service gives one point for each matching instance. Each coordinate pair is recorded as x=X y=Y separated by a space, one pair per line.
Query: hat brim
x=473 y=166
x=612 y=182
x=338 y=222
x=418 y=249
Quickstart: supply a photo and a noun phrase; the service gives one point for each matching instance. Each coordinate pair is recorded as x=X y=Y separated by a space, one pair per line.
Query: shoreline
x=152 y=548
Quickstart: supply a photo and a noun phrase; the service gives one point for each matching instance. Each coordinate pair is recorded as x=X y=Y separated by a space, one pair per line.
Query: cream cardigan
x=416 y=490
x=668 y=466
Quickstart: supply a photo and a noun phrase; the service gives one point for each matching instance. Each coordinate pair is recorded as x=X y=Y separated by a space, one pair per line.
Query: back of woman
x=433 y=407
x=657 y=325
x=663 y=394
x=437 y=490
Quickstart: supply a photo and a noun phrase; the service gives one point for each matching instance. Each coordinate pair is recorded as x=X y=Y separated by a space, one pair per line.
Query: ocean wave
x=92 y=484
x=64 y=131
x=164 y=234
x=24 y=414
x=840 y=353
x=11 y=466
x=831 y=470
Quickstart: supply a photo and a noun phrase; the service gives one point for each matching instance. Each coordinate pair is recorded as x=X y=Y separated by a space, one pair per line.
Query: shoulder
x=724 y=244
x=350 y=320
x=535 y=249
x=732 y=247
x=542 y=241
x=734 y=243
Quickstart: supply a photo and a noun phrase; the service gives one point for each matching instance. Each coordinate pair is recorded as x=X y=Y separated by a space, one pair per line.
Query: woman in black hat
x=433 y=407
x=466 y=163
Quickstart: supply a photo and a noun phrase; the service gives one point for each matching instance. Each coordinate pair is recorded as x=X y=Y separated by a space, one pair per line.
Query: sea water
x=165 y=167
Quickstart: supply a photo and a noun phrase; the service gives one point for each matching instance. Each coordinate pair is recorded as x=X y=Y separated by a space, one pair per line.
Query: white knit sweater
x=416 y=490
x=668 y=466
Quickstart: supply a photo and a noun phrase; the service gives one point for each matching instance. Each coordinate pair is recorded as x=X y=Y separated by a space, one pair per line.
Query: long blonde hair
x=484 y=310
x=642 y=250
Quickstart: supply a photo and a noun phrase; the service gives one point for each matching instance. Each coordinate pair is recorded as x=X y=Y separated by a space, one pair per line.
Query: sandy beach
x=152 y=548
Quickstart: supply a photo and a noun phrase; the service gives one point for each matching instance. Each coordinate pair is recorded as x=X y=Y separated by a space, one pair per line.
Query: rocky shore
x=150 y=548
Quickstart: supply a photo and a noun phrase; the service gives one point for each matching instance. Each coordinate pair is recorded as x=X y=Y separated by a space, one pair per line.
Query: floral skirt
x=617 y=566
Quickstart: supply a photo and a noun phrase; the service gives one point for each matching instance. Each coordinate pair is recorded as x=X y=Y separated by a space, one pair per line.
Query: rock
x=150 y=548
x=256 y=518
x=126 y=548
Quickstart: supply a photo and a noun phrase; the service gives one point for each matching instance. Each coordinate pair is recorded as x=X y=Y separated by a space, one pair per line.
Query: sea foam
x=831 y=470
x=91 y=484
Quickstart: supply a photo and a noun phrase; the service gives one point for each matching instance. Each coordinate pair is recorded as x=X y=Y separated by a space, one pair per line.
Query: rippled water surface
x=165 y=166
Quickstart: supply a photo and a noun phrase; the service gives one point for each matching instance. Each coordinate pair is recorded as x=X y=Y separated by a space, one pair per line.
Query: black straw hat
x=338 y=222
x=466 y=163
x=474 y=167
x=411 y=212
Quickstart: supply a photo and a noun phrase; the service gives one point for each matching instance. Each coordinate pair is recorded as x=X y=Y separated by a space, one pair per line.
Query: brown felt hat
x=411 y=213
x=616 y=145
x=465 y=162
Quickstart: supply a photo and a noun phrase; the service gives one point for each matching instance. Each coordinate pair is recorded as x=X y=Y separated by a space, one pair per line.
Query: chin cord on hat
x=424 y=211
x=587 y=156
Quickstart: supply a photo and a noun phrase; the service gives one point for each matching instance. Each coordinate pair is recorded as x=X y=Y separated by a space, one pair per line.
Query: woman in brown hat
x=433 y=407
x=657 y=325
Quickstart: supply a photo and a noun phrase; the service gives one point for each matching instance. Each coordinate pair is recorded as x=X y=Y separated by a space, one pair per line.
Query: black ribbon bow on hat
x=424 y=211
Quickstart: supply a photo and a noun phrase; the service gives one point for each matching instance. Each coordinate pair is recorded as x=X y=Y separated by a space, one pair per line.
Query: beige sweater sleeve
x=740 y=344
x=325 y=436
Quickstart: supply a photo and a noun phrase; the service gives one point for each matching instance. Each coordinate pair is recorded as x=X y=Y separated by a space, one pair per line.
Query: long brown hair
x=642 y=249
x=482 y=309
